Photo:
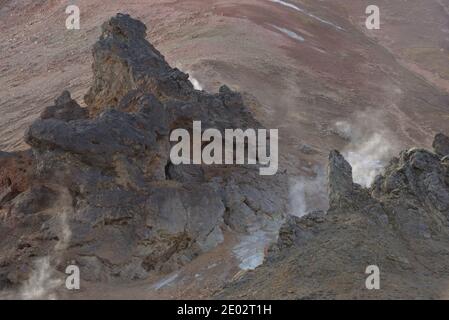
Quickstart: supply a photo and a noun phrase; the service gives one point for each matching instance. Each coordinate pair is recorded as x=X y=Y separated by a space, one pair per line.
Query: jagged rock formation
x=126 y=67
x=98 y=189
x=104 y=193
x=400 y=225
x=124 y=56
x=441 y=145
x=15 y=174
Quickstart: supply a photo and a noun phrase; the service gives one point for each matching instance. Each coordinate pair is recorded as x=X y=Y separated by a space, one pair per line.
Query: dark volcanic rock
x=441 y=145
x=126 y=66
x=105 y=194
x=340 y=180
x=125 y=61
x=402 y=227
x=65 y=109
x=343 y=192
x=15 y=174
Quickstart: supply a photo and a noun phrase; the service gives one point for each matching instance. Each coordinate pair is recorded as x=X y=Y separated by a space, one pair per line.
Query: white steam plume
x=308 y=194
x=368 y=158
x=371 y=145
x=196 y=84
x=194 y=81
x=42 y=282
x=44 y=279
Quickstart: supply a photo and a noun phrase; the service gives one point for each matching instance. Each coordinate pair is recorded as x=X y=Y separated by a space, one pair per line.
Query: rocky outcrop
x=125 y=61
x=340 y=181
x=105 y=194
x=342 y=190
x=65 y=109
x=400 y=225
x=441 y=145
x=15 y=174
x=420 y=174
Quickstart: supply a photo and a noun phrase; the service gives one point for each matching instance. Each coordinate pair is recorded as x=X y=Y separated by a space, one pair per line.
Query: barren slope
x=303 y=87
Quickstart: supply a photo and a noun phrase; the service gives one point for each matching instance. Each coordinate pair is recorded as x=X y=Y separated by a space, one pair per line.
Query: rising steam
x=44 y=281
x=371 y=145
x=196 y=84
x=369 y=158
x=308 y=194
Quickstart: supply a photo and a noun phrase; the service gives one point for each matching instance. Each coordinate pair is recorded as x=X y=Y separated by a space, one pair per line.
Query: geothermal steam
x=308 y=194
x=371 y=145
x=42 y=282
x=196 y=84
x=44 y=279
